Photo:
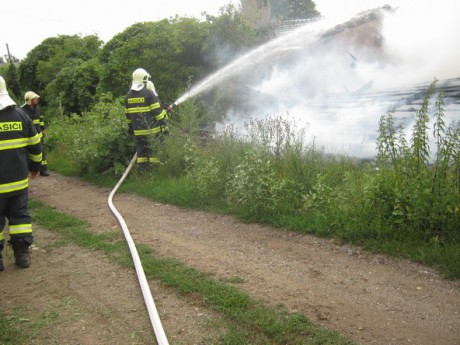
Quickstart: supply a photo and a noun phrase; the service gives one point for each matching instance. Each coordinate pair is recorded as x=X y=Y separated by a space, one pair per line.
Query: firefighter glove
x=164 y=127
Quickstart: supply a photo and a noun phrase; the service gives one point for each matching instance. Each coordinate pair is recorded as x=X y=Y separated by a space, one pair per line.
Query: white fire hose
x=153 y=313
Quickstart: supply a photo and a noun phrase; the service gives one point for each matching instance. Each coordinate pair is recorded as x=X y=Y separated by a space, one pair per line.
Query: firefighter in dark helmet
x=20 y=152
x=146 y=120
x=31 y=108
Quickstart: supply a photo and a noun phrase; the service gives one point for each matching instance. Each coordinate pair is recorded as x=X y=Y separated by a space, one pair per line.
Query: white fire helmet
x=151 y=87
x=140 y=78
x=29 y=96
x=5 y=99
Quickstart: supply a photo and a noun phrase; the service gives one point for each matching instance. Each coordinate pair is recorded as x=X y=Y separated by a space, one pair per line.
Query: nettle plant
x=420 y=189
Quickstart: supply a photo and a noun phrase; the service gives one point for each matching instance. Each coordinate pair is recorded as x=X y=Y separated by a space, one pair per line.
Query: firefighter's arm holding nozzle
x=162 y=117
x=166 y=112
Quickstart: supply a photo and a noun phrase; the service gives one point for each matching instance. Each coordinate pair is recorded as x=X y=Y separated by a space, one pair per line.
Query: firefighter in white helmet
x=31 y=108
x=146 y=120
x=20 y=152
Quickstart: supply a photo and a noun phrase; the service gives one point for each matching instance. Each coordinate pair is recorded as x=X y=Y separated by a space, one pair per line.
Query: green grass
x=61 y=162
x=13 y=324
x=10 y=329
x=248 y=321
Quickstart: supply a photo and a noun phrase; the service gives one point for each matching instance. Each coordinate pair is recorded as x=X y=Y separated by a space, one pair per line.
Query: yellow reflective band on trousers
x=2 y=235
x=20 y=229
x=14 y=186
x=147 y=131
x=147 y=160
x=142 y=159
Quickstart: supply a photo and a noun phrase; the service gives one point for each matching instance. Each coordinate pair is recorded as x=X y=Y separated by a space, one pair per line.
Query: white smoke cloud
x=340 y=88
x=421 y=43
x=425 y=37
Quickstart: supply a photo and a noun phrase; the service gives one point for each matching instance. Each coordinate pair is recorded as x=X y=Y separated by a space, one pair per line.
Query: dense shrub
x=97 y=142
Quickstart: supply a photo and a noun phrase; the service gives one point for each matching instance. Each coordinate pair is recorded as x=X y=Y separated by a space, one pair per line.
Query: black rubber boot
x=21 y=252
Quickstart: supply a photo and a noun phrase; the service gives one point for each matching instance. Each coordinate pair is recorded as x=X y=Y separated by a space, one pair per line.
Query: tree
x=28 y=68
x=44 y=66
x=170 y=50
x=75 y=87
x=11 y=78
x=293 y=9
x=230 y=35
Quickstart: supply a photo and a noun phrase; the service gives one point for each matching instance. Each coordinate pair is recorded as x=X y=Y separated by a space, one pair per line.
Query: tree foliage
x=230 y=35
x=59 y=70
x=75 y=86
x=9 y=72
x=28 y=78
x=170 y=50
x=293 y=9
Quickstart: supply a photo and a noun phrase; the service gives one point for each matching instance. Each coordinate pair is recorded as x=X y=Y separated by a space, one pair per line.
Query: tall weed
x=203 y=171
x=250 y=187
x=417 y=193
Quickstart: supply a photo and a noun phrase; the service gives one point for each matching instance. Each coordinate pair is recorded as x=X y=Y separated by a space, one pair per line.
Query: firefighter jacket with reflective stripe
x=36 y=116
x=20 y=150
x=144 y=113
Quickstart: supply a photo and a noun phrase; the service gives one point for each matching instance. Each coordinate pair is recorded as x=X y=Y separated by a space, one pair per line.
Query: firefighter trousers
x=15 y=210
x=44 y=167
x=147 y=151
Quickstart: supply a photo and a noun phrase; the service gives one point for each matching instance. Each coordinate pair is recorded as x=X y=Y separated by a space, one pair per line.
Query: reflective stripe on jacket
x=20 y=150
x=143 y=111
x=36 y=116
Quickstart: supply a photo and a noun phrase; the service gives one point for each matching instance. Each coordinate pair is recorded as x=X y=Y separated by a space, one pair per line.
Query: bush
x=98 y=141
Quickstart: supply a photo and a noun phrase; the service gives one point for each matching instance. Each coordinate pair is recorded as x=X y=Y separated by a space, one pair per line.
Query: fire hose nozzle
x=169 y=106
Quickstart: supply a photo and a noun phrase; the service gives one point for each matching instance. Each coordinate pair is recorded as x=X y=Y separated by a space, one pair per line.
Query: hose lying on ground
x=153 y=313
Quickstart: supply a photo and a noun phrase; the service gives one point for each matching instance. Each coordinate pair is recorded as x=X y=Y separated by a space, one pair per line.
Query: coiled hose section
x=153 y=313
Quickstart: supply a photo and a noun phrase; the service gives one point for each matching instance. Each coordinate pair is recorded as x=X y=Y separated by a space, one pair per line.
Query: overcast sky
x=27 y=23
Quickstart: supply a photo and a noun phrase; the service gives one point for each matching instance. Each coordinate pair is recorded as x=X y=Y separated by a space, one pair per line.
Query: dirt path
x=372 y=299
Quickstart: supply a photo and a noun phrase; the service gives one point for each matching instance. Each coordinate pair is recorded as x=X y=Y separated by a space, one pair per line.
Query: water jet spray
x=370 y=56
x=300 y=37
